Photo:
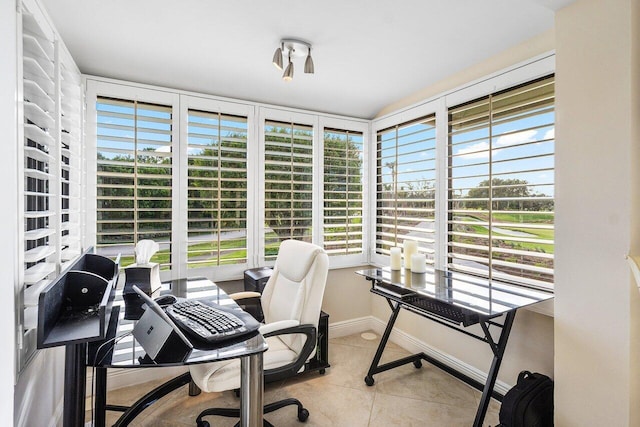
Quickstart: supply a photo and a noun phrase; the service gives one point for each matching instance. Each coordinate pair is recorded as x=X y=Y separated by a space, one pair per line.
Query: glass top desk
x=454 y=300
x=127 y=353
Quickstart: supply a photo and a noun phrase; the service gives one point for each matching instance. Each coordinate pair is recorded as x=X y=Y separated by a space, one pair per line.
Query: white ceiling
x=367 y=53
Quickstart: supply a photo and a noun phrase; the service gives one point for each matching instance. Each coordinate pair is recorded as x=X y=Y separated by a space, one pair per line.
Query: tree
x=512 y=190
x=289 y=183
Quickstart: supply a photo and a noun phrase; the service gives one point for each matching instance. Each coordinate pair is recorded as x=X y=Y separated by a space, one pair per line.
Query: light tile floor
x=404 y=396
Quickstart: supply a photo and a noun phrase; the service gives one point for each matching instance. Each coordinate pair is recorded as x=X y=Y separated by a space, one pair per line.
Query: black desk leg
x=75 y=378
x=498 y=352
x=101 y=397
x=373 y=369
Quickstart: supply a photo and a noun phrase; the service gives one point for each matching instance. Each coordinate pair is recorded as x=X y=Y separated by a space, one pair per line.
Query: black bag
x=529 y=403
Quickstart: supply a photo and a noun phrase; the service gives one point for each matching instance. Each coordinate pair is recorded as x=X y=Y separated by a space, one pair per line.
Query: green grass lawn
x=535 y=233
x=228 y=256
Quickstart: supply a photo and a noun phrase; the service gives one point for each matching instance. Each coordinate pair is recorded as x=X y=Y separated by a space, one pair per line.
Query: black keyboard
x=206 y=322
x=443 y=310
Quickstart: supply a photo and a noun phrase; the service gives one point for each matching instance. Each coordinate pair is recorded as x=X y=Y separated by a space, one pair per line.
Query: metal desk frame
x=398 y=302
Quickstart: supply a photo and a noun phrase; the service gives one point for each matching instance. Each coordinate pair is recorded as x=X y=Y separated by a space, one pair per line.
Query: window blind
x=134 y=178
x=343 y=172
x=40 y=153
x=405 y=189
x=501 y=184
x=217 y=189
x=70 y=162
x=52 y=163
x=288 y=180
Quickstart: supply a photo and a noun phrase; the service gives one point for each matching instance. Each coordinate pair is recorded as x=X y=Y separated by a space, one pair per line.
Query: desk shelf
x=76 y=306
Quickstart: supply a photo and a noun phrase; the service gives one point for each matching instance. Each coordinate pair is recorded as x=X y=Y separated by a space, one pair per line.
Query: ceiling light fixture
x=293 y=48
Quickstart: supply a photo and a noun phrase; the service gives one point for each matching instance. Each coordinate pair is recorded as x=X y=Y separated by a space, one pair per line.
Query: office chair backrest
x=296 y=287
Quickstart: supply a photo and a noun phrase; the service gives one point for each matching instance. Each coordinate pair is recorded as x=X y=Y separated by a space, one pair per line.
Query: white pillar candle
x=410 y=248
x=396 y=258
x=418 y=263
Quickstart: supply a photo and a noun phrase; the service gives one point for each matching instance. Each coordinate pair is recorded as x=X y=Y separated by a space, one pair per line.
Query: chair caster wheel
x=203 y=423
x=417 y=364
x=303 y=415
x=368 y=380
x=321 y=371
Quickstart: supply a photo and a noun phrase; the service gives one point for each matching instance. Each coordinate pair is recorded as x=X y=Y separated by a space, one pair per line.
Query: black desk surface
x=475 y=294
x=127 y=353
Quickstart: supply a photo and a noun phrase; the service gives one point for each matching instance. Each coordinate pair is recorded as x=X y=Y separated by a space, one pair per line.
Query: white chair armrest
x=244 y=295
x=276 y=326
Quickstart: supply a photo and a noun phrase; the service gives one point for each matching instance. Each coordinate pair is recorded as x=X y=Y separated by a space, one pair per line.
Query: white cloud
x=516 y=138
x=480 y=150
x=475 y=151
x=550 y=134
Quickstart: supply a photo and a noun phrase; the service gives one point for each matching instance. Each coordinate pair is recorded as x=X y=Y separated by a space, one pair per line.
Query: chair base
x=303 y=413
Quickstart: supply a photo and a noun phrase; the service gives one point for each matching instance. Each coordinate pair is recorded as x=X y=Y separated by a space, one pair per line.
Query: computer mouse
x=165 y=300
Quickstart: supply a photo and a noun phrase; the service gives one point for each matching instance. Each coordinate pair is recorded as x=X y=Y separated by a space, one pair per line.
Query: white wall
x=596 y=305
x=39 y=391
x=346 y=296
x=634 y=373
x=9 y=223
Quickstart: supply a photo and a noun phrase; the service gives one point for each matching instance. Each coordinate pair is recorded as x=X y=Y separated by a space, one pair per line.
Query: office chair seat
x=225 y=373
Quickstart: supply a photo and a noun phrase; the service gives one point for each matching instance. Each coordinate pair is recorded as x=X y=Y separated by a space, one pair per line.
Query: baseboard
x=350 y=327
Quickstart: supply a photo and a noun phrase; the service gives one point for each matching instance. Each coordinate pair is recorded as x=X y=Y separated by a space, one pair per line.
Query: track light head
x=277 y=58
x=308 y=63
x=288 y=73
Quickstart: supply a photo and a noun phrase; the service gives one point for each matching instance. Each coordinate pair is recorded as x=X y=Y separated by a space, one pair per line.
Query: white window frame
x=340 y=261
x=422 y=110
x=286 y=116
x=537 y=67
x=188 y=102
x=96 y=88
x=256 y=114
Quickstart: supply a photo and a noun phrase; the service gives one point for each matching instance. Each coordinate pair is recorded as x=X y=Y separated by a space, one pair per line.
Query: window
x=216 y=189
x=288 y=181
x=501 y=184
x=134 y=178
x=343 y=192
x=52 y=162
x=405 y=186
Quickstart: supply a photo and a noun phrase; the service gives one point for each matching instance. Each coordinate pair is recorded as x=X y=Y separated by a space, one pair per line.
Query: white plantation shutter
x=134 y=178
x=405 y=186
x=52 y=162
x=343 y=192
x=501 y=184
x=288 y=181
x=40 y=160
x=216 y=189
x=70 y=163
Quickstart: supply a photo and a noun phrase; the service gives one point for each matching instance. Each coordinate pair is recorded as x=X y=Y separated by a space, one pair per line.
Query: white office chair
x=291 y=302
